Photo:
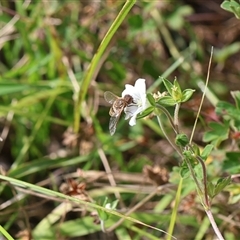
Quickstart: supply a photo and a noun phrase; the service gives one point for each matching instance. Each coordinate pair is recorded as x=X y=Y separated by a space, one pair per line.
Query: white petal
x=132 y=121
x=131 y=109
x=138 y=93
x=140 y=85
x=132 y=92
x=134 y=116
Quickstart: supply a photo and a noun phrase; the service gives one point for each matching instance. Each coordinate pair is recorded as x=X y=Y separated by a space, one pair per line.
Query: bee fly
x=118 y=105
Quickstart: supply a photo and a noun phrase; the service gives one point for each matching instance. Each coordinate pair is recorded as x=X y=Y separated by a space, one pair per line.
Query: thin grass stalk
x=175 y=210
x=57 y=196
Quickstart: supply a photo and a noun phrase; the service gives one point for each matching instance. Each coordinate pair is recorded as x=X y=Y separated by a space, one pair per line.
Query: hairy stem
x=214 y=225
x=176 y=122
x=204 y=181
x=165 y=111
x=166 y=136
x=193 y=175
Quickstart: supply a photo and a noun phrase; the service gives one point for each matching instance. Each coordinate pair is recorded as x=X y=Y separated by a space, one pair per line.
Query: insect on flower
x=118 y=105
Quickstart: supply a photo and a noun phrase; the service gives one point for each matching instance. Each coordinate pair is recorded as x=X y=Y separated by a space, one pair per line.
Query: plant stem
x=176 y=122
x=214 y=225
x=174 y=212
x=165 y=111
x=204 y=181
x=166 y=136
x=193 y=175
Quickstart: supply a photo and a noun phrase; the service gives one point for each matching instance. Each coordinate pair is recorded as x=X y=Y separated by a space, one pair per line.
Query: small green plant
x=192 y=161
x=103 y=215
x=232 y=6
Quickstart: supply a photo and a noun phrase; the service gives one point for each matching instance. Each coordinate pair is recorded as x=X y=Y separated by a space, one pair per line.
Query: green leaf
x=177 y=18
x=151 y=99
x=210 y=189
x=217 y=134
x=146 y=112
x=168 y=85
x=196 y=149
x=198 y=171
x=221 y=184
x=176 y=91
x=229 y=111
x=225 y=108
x=75 y=228
x=187 y=93
x=12 y=88
x=234 y=191
x=114 y=204
x=232 y=6
x=231 y=163
x=184 y=171
x=176 y=85
x=206 y=151
x=135 y=22
x=221 y=55
x=181 y=140
x=103 y=215
x=236 y=96
x=167 y=101
x=215 y=189
x=188 y=154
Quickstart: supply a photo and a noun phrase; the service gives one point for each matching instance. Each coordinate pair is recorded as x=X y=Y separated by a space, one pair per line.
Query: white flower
x=140 y=103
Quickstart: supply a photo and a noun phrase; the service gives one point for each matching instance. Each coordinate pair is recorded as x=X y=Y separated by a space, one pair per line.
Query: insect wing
x=115 y=110
x=113 y=124
x=114 y=120
x=110 y=97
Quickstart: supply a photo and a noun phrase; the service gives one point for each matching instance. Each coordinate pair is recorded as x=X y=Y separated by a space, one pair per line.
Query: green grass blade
x=50 y=194
x=175 y=209
x=96 y=59
x=5 y=233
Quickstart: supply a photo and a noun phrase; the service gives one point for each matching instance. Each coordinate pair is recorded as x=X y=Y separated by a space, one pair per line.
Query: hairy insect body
x=118 y=105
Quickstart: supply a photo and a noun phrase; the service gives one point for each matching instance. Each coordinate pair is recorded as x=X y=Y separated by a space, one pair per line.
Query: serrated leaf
x=206 y=151
x=151 y=99
x=187 y=93
x=167 y=101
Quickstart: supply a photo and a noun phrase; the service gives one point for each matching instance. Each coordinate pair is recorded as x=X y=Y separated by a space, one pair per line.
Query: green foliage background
x=54 y=118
